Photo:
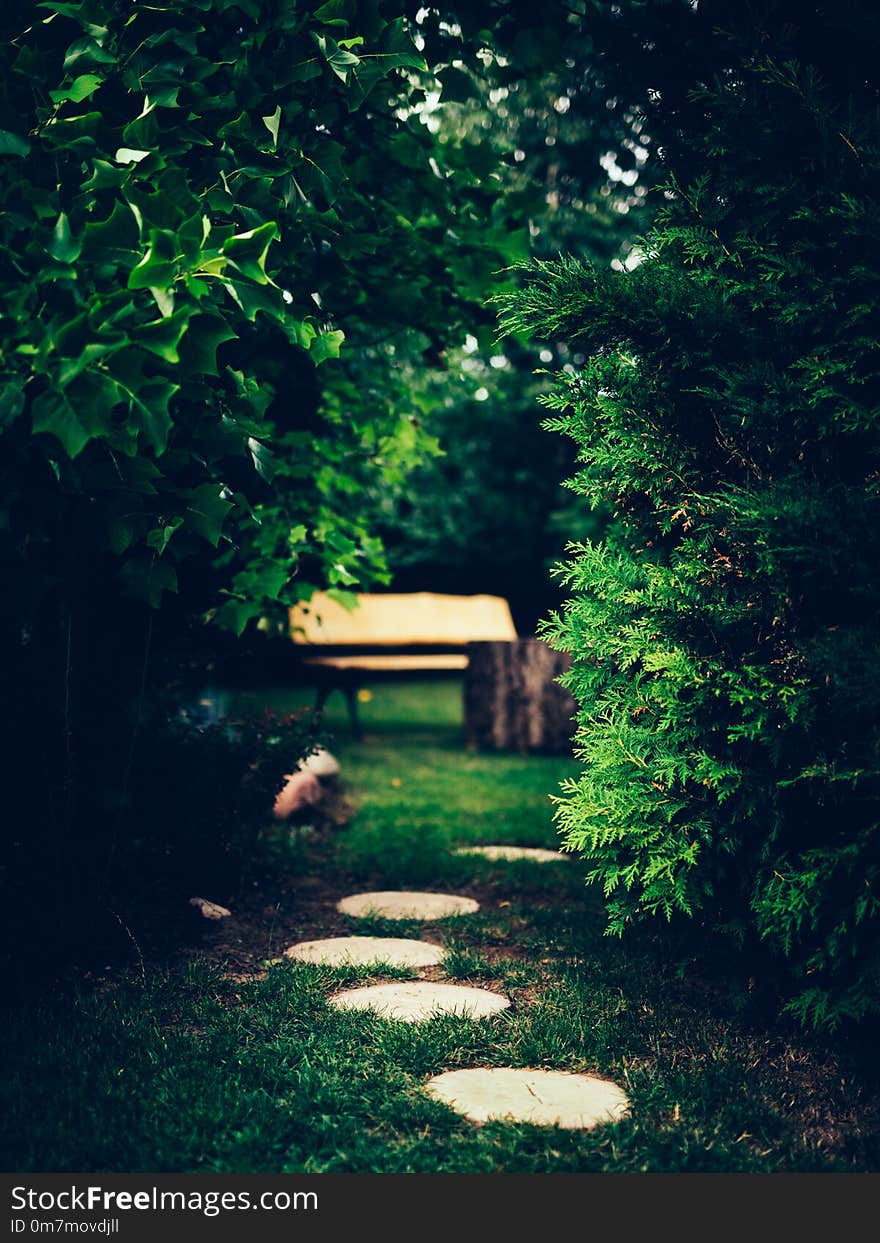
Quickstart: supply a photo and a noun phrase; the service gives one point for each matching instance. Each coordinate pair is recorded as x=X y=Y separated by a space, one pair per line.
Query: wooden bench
x=426 y=631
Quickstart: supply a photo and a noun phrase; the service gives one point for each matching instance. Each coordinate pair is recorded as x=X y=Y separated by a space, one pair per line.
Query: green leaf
x=162 y=337
x=157 y=269
x=87 y=51
x=146 y=578
x=335 y=12
x=12 y=144
x=152 y=403
x=130 y=155
x=326 y=345
x=272 y=124
x=235 y=614
x=206 y=512
x=263 y=459
x=63 y=247
x=348 y=599
x=248 y=250
x=158 y=538
x=198 y=349
x=81 y=88
x=11 y=401
x=53 y=413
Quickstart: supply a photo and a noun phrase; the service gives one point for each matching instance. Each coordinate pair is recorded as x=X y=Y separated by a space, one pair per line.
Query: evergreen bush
x=724 y=629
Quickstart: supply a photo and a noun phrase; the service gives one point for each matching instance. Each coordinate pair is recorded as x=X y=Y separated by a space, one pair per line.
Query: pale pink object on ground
x=301 y=790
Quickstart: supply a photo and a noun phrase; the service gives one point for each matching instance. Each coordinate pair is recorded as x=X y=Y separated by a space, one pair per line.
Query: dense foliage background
x=725 y=629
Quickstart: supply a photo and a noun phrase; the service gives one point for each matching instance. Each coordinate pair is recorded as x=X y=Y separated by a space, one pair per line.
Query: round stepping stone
x=358 y=951
x=533 y=853
x=399 y=904
x=418 y=1002
x=541 y=1097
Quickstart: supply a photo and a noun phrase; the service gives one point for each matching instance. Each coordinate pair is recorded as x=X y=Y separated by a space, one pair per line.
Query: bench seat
x=390 y=664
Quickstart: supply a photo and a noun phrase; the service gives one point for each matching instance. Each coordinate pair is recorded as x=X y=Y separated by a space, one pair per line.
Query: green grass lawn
x=183 y=1069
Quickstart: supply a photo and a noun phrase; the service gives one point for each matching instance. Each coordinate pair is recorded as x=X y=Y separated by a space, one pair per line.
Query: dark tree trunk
x=512 y=701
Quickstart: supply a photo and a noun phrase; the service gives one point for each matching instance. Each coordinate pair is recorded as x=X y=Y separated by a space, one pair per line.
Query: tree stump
x=512 y=701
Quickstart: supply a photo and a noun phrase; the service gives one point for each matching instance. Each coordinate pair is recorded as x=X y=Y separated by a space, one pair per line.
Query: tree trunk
x=512 y=701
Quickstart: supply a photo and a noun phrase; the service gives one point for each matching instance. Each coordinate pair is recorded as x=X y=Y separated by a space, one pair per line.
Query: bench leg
x=321 y=699
x=351 y=696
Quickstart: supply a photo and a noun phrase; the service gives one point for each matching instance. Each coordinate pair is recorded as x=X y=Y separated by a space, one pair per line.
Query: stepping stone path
x=532 y=853
x=360 y=951
x=541 y=1097
x=498 y=1093
x=419 y=1001
x=395 y=904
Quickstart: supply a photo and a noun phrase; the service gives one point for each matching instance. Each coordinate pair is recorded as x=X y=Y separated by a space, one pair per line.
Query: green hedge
x=725 y=631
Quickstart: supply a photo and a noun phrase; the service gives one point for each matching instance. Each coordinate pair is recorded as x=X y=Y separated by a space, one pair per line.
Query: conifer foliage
x=724 y=631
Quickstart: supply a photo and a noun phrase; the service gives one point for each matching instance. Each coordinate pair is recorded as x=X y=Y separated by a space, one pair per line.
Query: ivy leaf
x=145 y=578
x=162 y=337
x=12 y=144
x=339 y=60
x=53 y=413
x=198 y=349
x=326 y=345
x=157 y=269
x=206 y=512
x=235 y=614
x=158 y=538
x=80 y=88
x=248 y=250
x=63 y=247
x=263 y=459
x=272 y=124
x=150 y=403
x=130 y=155
x=11 y=401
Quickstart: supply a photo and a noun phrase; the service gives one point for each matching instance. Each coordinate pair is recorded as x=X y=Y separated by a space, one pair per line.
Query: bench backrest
x=420 y=618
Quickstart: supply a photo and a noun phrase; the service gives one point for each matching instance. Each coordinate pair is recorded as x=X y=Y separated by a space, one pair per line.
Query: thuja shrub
x=724 y=631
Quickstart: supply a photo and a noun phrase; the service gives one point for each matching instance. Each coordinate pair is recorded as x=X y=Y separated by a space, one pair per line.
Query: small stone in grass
x=541 y=1097
x=417 y=1002
x=533 y=853
x=360 y=951
x=402 y=904
x=209 y=910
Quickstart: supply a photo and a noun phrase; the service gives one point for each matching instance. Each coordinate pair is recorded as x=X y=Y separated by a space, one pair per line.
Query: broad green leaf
x=117 y=234
x=12 y=144
x=53 y=413
x=130 y=155
x=326 y=345
x=198 y=349
x=272 y=123
x=62 y=246
x=157 y=269
x=162 y=336
x=248 y=250
x=86 y=51
x=149 y=402
x=263 y=459
x=147 y=577
x=335 y=12
x=158 y=538
x=206 y=512
x=80 y=88
x=11 y=400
